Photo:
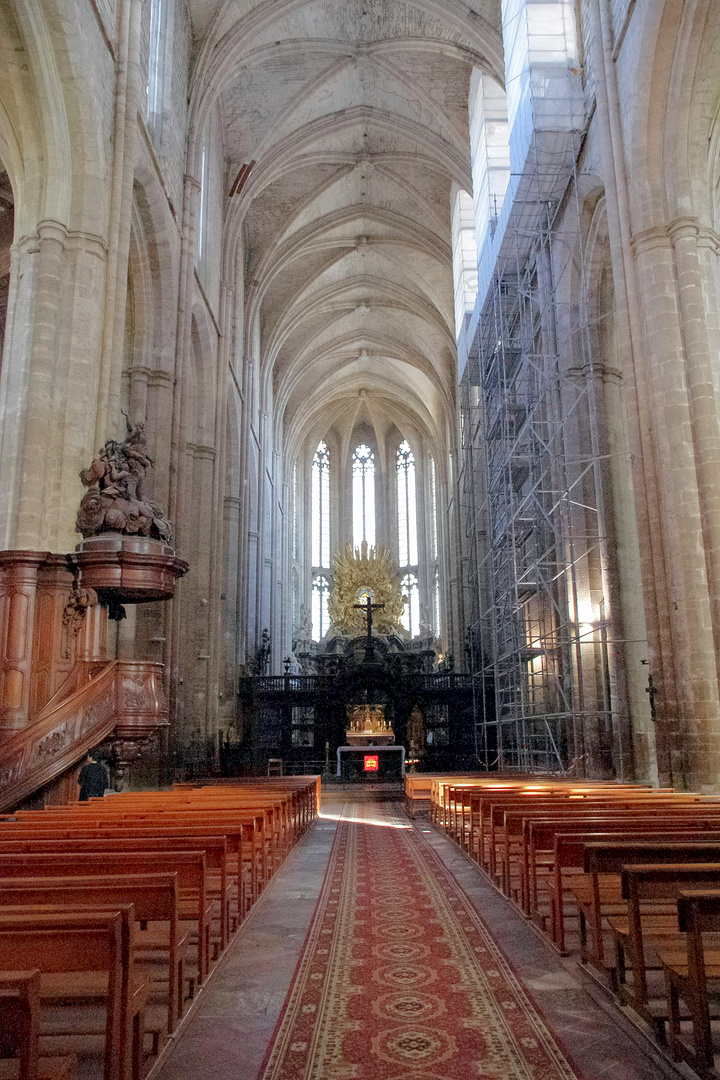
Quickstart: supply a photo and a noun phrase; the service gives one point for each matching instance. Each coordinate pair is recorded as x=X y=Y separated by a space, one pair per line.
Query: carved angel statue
x=115 y=500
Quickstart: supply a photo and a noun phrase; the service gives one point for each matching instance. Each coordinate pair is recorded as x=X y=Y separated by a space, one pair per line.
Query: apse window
x=321 y=508
x=407 y=507
x=363 y=495
x=320 y=600
x=411 y=615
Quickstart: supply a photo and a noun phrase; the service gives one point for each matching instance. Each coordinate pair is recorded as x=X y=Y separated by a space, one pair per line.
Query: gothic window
x=363 y=495
x=465 y=274
x=434 y=563
x=489 y=152
x=407 y=507
x=321 y=508
x=296 y=516
x=433 y=512
x=320 y=598
x=411 y=614
x=155 y=59
x=202 y=223
x=436 y=602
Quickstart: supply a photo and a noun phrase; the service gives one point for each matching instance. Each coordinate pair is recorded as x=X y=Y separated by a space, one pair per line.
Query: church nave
x=380 y=951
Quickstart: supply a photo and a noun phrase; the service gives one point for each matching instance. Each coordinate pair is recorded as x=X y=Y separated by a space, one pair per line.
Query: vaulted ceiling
x=345 y=126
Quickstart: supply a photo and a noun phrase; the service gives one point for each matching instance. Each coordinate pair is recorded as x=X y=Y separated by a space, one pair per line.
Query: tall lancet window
x=407 y=507
x=411 y=615
x=435 y=565
x=363 y=494
x=320 y=494
x=320 y=614
x=321 y=508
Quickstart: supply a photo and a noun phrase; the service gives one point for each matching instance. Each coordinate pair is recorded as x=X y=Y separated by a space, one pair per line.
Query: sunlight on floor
x=365 y=821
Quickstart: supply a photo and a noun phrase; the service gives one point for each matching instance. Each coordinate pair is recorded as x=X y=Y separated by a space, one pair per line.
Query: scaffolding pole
x=532 y=490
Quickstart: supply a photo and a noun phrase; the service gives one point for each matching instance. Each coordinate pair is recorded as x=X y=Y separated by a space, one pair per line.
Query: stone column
x=676 y=402
x=17 y=602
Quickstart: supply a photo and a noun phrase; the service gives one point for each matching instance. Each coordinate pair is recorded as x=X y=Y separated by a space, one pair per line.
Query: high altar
x=373 y=695
x=366 y=590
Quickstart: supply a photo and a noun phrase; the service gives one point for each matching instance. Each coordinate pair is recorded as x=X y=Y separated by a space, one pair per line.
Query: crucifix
x=368 y=608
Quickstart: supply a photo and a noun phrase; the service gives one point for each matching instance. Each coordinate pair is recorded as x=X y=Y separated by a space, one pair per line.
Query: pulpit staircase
x=117 y=701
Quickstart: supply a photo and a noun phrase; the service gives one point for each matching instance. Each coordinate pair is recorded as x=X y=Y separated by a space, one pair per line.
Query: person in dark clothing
x=93 y=779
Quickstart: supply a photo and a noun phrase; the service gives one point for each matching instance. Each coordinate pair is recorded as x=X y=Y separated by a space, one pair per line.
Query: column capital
x=52 y=230
x=686 y=227
x=650 y=239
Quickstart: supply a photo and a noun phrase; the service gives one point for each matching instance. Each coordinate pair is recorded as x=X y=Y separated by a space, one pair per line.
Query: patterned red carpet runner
x=400 y=979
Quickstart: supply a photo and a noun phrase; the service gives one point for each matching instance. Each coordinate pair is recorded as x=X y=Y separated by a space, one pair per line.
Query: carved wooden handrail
x=98 y=700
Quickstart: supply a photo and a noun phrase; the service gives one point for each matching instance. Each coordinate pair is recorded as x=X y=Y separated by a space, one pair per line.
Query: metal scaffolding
x=532 y=484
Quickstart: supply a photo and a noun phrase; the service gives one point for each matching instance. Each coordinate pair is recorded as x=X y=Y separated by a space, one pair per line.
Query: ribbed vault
x=344 y=128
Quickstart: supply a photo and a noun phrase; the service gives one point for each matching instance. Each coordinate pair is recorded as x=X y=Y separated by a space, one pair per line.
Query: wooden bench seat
x=155 y=900
x=190 y=867
x=215 y=849
x=20 y=1057
x=693 y=974
x=651 y=892
x=597 y=898
x=74 y=945
x=565 y=878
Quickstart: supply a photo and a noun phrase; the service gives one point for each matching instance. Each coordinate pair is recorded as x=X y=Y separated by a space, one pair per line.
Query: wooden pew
x=513 y=855
x=214 y=847
x=154 y=898
x=135 y=985
x=597 y=898
x=694 y=975
x=244 y=833
x=190 y=868
x=539 y=854
x=651 y=919
x=20 y=1031
x=569 y=854
x=258 y=844
x=76 y=944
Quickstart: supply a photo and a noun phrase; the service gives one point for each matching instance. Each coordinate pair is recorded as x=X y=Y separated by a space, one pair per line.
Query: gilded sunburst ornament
x=359 y=573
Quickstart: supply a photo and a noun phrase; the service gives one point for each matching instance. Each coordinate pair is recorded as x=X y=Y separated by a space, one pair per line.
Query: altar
x=371 y=764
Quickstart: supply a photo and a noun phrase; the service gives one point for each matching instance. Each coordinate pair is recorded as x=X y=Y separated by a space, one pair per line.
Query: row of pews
x=114 y=911
x=626 y=876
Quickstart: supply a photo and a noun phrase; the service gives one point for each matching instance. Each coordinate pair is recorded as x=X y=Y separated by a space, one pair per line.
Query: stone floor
x=228 y=1032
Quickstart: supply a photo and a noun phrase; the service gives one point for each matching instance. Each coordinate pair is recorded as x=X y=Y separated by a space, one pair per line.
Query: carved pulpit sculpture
x=116 y=500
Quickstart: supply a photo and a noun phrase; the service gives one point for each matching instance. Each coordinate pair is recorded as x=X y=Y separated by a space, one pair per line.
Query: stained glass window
x=407 y=507
x=363 y=495
x=321 y=508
